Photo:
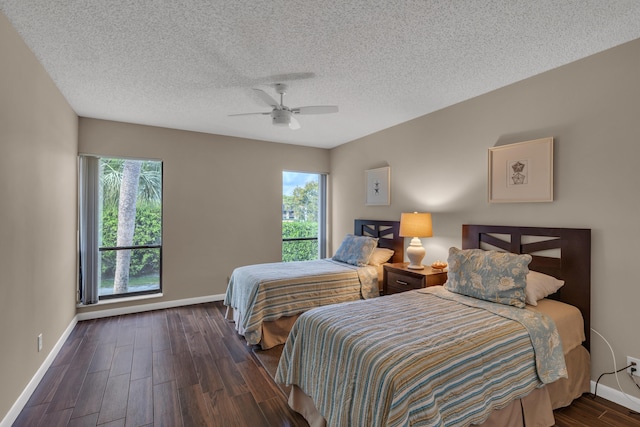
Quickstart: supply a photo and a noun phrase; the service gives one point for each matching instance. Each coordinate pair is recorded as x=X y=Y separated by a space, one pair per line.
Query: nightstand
x=399 y=278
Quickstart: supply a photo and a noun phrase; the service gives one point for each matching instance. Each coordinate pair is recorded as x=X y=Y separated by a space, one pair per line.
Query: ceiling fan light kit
x=281 y=115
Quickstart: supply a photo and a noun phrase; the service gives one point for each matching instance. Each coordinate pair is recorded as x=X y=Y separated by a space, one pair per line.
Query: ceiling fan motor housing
x=281 y=117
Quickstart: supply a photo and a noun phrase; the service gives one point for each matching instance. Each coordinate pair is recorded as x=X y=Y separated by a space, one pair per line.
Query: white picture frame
x=378 y=182
x=521 y=172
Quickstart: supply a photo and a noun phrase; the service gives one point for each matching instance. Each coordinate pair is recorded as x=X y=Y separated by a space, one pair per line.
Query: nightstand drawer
x=402 y=282
x=398 y=277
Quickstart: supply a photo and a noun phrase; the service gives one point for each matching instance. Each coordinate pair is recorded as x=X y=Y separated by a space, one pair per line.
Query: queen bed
x=466 y=353
x=264 y=300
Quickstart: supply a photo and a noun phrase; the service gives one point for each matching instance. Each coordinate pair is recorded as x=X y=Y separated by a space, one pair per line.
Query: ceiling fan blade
x=315 y=109
x=267 y=99
x=293 y=123
x=249 y=114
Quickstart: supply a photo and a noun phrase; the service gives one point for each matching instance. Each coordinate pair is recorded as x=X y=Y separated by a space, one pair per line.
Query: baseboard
x=17 y=407
x=616 y=396
x=147 y=307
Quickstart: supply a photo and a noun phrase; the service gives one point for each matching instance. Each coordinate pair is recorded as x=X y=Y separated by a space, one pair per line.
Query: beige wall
x=38 y=146
x=222 y=199
x=439 y=164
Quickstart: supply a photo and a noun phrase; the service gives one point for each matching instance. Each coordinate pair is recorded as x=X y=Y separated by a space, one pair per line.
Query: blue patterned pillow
x=356 y=250
x=489 y=275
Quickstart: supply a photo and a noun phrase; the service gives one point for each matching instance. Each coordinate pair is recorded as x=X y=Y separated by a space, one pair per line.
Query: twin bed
x=264 y=300
x=438 y=356
x=471 y=352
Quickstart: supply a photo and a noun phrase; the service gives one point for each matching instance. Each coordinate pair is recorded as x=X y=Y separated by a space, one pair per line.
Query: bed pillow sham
x=494 y=276
x=356 y=250
x=380 y=256
x=540 y=285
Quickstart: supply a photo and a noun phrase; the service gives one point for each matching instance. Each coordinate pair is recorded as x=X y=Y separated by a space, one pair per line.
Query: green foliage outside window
x=148 y=232
x=303 y=202
x=299 y=250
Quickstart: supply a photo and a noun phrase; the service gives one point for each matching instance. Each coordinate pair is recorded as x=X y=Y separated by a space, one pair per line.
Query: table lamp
x=415 y=225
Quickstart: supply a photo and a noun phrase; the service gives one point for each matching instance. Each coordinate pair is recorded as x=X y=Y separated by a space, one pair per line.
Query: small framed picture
x=377 y=186
x=521 y=172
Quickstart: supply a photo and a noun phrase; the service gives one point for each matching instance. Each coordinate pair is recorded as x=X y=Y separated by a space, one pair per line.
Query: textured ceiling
x=189 y=64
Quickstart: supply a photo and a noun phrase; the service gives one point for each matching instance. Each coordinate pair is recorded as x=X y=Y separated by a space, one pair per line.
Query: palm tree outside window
x=121 y=234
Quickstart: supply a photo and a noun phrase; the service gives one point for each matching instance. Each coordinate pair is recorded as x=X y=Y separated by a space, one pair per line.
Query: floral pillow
x=494 y=276
x=356 y=250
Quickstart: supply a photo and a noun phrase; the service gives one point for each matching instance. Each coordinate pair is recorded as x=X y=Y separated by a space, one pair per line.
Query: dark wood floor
x=187 y=367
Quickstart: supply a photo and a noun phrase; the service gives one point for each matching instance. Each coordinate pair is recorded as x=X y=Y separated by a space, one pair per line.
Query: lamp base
x=415 y=253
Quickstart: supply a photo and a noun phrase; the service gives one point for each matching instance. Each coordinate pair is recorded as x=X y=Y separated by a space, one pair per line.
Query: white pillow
x=380 y=256
x=539 y=286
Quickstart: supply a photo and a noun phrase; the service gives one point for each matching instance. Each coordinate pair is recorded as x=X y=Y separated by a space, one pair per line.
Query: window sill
x=119 y=300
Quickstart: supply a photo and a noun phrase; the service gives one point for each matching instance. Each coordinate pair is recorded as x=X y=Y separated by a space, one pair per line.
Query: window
x=303 y=216
x=120 y=227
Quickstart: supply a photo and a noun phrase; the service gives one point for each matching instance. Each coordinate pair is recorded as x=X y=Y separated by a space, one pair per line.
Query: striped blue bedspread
x=266 y=292
x=418 y=358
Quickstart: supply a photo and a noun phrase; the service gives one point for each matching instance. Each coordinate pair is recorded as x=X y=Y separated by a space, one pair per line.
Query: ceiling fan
x=281 y=115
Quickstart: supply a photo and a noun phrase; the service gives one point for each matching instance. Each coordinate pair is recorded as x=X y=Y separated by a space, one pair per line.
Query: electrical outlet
x=631 y=360
x=39 y=342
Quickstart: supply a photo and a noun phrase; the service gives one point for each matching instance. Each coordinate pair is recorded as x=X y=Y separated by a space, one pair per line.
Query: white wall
x=439 y=164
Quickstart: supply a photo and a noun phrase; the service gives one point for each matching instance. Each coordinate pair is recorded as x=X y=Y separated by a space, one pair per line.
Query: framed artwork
x=521 y=172
x=378 y=183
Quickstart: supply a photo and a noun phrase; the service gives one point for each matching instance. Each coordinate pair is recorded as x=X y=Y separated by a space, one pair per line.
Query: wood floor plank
x=142 y=337
x=197 y=344
x=163 y=367
x=176 y=333
x=279 y=414
x=160 y=331
x=90 y=420
x=30 y=415
x=102 y=357
x=185 y=370
x=208 y=375
x=114 y=423
x=231 y=377
x=215 y=344
x=48 y=385
x=142 y=363
x=122 y=360
x=91 y=394
x=223 y=409
x=56 y=418
x=237 y=349
x=67 y=392
x=67 y=351
x=140 y=403
x=251 y=413
x=194 y=407
x=225 y=327
x=188 y=320
x=105 y=330
x=126 y=331
x=166 y=405
x=114 y=402
x=258 y=381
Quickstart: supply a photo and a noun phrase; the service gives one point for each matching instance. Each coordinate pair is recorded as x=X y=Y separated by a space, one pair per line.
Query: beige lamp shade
x=416 y=225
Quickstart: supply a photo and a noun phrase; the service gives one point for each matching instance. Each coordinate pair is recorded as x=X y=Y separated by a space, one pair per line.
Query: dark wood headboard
x=573 y=264
x=387 y=232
